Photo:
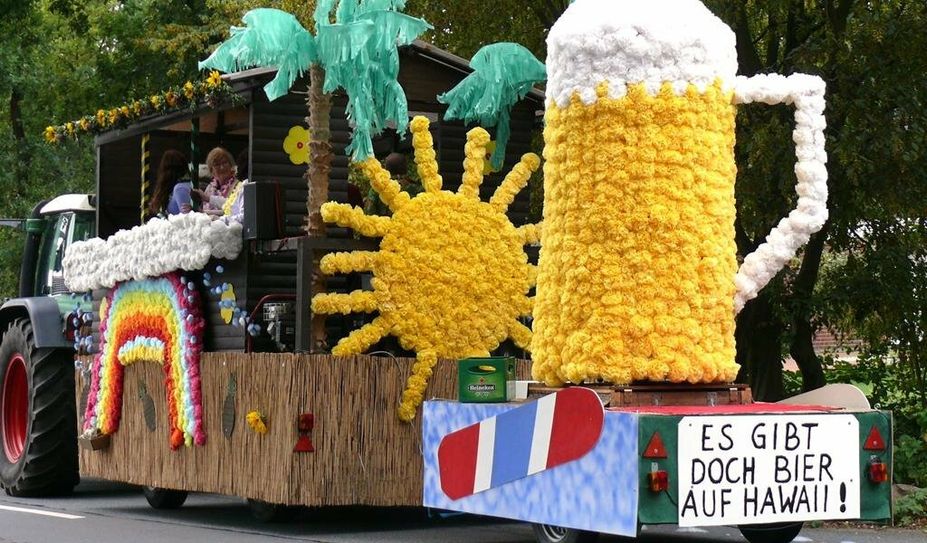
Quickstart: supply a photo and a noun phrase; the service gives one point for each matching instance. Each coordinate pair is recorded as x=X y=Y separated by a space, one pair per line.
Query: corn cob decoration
x=636 y=276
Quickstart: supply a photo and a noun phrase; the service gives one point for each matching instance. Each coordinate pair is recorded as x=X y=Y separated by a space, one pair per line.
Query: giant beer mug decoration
x=638 y=277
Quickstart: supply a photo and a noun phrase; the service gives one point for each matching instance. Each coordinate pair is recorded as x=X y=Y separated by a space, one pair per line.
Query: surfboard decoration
x=537 y=436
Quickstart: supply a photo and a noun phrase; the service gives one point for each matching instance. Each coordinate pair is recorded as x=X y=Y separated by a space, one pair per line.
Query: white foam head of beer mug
x=626 y=42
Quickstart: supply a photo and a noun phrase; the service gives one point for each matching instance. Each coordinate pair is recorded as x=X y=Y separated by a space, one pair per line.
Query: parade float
x=193 y=335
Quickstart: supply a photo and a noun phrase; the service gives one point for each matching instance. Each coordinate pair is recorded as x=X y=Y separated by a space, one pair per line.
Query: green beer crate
x=486 y=379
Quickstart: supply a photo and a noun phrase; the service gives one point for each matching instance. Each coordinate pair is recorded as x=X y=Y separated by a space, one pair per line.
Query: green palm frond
x=503 y=73
x=360 y=55
x=271 y=38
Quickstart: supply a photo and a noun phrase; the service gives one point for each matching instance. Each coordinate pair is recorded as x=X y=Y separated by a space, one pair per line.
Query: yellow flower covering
x=451 y=277
x=637 y=266
x=644 y=276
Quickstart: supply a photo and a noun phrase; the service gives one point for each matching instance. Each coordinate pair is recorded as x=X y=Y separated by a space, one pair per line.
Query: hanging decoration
x=451 y=277
x=156 y=320
x=304 y=425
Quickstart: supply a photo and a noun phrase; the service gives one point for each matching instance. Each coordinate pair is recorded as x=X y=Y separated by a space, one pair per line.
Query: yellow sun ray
x=514 y=182
x=530 y=233
x=425 y=157
x=388 y=189
x=372 y=226
x=450 y=278
x=356 y=261
x=475 y=151
x=520 y=334
x=361 y=339
x=358 y=301
x=414 y=393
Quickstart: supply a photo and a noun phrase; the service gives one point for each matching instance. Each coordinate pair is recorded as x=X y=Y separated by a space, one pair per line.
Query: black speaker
x=261 y=220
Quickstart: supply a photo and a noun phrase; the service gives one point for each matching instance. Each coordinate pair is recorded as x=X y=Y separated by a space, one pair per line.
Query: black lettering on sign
x=689 y=504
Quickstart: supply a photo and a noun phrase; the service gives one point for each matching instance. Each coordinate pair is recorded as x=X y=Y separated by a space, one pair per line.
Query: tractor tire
x=38 y=416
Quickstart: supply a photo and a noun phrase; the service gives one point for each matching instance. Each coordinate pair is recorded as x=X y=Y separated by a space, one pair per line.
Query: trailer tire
x=780 y=532
x=545 y=533
x=271 y=512
x=164 y=498
x=38 y=416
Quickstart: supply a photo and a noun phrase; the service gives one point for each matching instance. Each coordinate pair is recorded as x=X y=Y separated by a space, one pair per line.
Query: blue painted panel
x=598 y=492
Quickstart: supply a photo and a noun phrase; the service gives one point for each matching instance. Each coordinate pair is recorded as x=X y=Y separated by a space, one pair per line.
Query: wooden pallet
x=645 y=394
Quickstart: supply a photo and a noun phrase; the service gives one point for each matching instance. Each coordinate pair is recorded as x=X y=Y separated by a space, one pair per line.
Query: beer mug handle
x=806 y=93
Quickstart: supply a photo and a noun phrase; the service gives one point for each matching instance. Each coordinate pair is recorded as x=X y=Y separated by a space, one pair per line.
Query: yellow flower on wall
x=451 y=277
x=296 y=145
x=256 y=422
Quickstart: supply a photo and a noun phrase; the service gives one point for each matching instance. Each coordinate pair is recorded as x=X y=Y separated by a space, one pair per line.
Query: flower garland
x=212 y=90
x=451 y=277
x=157 y=320
x=636 y=278
x=180 y=242
x=232 y=199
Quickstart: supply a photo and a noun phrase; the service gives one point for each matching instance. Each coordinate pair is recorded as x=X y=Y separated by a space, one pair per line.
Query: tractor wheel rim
x=14 y=407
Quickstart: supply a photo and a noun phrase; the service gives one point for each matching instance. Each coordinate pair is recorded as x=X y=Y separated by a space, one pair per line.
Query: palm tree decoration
x=360 y=55
x=503 y=73
x=358 y=52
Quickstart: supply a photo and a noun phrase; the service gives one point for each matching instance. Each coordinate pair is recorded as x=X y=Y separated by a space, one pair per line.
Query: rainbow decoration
x=154 y=320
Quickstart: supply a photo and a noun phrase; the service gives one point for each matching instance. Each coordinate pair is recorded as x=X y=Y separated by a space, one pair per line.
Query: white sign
x=768 y=468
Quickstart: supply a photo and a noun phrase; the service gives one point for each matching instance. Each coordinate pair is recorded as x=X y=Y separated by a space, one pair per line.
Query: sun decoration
x=451 y=277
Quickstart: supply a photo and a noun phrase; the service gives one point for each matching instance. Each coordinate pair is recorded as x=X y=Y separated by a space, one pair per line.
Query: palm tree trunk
x=317 y=178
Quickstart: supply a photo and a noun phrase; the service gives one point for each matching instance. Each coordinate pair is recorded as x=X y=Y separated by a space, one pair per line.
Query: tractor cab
x=53 y=227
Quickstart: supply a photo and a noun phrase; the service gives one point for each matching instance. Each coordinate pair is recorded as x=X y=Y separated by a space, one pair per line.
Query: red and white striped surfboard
x=529 y=439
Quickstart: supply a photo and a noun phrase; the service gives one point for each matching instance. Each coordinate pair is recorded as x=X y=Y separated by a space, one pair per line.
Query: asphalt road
x=103 y=512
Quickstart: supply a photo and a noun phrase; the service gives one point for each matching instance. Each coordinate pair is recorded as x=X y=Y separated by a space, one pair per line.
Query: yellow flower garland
x=451 y=277
x=210 y=90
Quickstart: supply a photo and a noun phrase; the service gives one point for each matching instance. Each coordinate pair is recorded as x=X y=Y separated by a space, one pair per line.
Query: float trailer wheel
x=545 y=533
x=164 y=498
x=783 y=532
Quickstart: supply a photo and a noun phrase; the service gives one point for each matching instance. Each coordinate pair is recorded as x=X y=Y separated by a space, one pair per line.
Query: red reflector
x=658 y=480
x=655 y=447
x=874 y=441
x=878 y=471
